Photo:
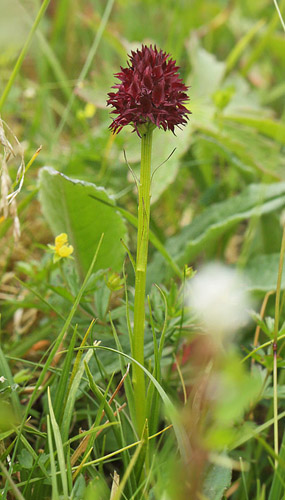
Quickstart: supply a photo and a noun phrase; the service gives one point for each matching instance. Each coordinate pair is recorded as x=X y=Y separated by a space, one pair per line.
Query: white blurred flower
x=217 y=295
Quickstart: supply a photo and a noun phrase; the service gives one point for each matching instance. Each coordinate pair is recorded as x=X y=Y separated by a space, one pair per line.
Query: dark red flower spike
x=151 y=91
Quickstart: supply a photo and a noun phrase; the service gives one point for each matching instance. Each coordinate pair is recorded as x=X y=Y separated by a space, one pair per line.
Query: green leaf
x=269 y=392
x=204 y=64
x=261 y=272
x=217 y=480
x=62 y=292
x=245 y=149
x=254 y=201
x=68 y=207
x=270 y=128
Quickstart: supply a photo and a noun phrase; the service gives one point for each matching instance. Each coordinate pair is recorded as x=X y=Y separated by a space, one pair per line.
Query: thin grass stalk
x=59 y=448
x=102 y=398
x=23 y=53
x=55 y=495
x=86 y=67
x=140 y=282
x=17 y=494
x=48 y=362
x=276 y=329
x=279 y=14
x=127 y=382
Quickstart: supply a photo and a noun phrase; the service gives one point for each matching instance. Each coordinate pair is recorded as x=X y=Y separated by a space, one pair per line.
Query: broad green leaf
x=246 y=150
x=254 y=201
x=261 y=272
x=204 y=64
x=217 y=480
x=239 y=149
x=68 y=207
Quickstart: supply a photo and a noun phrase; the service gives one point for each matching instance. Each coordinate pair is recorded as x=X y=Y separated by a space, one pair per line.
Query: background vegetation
x=220 y=195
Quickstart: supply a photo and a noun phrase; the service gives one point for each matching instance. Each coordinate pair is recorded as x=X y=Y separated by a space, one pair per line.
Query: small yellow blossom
x=86 y=113
x=61 y=248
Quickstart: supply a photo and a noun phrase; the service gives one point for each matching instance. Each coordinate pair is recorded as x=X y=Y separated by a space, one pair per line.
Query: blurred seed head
x=217 y=294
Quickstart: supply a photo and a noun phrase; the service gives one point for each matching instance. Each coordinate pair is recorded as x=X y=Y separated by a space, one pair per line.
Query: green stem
x=141 y=265
x=276 y=329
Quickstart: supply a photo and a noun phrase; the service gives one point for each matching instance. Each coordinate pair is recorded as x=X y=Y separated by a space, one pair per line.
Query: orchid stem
x=140 y=282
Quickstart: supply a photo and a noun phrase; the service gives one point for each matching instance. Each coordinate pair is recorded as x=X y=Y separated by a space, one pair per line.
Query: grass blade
x=6 y=372
x=59 y=448
x=23 y=53
x=61 y=391
x=54 y=351
x=86 y=66
x=55 y=495
x=16 y=491
x=69 y=408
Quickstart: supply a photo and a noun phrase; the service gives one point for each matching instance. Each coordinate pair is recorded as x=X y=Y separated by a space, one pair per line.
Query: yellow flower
x=61 y=248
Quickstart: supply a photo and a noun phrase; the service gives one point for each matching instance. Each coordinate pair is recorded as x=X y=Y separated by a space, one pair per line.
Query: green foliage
x=69 y=207
x=208 y=228
x=217 y=480
x=261 y=272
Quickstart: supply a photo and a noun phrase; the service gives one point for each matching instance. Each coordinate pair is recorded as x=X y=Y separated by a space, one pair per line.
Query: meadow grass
x=107 y=392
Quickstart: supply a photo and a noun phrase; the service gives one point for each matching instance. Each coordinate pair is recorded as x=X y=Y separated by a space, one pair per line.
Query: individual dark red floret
x=150 y=90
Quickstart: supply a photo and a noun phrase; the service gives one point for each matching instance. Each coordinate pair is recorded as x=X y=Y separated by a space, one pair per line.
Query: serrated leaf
x=254 y=201
x=68 y=207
